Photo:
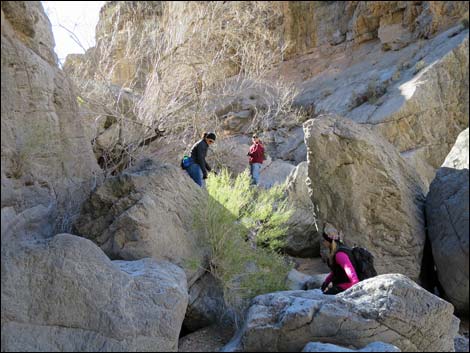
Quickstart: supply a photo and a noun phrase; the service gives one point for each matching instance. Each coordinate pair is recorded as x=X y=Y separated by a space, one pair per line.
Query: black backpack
x=363 y=262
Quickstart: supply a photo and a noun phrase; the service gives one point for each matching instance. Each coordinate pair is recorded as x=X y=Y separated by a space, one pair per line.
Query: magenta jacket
x=343 y=260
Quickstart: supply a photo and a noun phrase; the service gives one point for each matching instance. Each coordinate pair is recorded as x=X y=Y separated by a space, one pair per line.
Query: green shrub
x=235 y=221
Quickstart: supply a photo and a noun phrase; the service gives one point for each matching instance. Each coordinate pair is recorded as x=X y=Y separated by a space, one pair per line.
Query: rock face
x=387 y=308
x=123 y=30
x=364 y=188
x=411 y=117
x=308 y=25
x=447 y=213
x=48 y=167
x=147 y=211
x=403 y=95
x=303 y=238
x=64 y=294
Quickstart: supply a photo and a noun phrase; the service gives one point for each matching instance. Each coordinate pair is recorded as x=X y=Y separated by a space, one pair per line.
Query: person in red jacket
x=256 y=155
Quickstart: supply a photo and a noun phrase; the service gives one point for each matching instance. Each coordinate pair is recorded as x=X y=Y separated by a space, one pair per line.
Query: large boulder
x=447 y=213
x=303 y=236
x=274 y=172
x=362 y=186
x=47 y=164
x=147 y=211
x=388 y=308
x=64 y=294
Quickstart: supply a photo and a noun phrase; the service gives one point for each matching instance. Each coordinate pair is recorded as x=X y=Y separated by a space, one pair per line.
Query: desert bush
x=235 y=215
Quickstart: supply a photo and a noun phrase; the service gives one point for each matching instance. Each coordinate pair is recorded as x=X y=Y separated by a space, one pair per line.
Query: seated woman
x=341 y=262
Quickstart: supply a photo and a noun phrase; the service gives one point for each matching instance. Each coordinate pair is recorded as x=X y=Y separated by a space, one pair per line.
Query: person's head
x=255 y=138
x=209 y=137
x=332 y=238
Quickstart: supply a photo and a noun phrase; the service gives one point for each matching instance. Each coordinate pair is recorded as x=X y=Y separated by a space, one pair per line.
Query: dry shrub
x=177 y=58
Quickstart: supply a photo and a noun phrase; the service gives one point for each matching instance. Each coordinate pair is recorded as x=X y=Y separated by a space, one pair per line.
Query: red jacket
x=256 y=153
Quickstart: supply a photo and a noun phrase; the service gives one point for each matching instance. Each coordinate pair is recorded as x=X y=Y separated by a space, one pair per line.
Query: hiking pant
x=254 y=171
x=195 y=172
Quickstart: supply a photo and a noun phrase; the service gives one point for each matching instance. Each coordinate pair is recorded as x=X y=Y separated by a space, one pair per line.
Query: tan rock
x=147 y=211
x=303 y=236
x=447 y=214
x=46 y=160
x=365 y=189
x=64 y=294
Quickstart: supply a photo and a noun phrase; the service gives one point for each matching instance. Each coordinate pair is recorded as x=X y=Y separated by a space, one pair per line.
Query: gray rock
x=327 y=347
x=447 y=211
x=296 y=280
x=286 y=144
x=274 y=172
x=303 y=237
x=388 y=308
x=47 y=162
x=461 y=343
x=365 y=189
x=315 y=281
x=64 y=294
x=147 y=211
x=206 y=304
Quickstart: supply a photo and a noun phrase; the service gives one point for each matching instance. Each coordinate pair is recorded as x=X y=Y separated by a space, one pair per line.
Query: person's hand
x=325 y=288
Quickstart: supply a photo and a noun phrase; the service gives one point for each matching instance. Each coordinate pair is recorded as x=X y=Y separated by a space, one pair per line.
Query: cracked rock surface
x=388 y=308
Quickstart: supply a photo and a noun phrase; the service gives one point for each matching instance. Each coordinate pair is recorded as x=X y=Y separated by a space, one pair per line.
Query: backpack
x=186 y=162
x=363 y=263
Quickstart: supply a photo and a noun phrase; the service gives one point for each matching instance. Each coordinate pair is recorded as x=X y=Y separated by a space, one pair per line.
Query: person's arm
x=201 y=158
x=327 y=281
x=250 y=151
x=343 y=260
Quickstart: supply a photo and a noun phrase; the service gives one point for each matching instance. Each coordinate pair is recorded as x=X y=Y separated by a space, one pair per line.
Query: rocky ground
x=208 y=339
x=310 y=266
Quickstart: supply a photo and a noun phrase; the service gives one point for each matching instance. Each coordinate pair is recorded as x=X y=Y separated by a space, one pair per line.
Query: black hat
x=210 y=135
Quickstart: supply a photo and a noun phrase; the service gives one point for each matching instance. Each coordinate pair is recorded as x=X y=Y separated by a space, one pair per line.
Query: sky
x=79 y=17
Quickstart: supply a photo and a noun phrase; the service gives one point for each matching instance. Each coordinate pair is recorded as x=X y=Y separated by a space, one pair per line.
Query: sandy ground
x=208 y=339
